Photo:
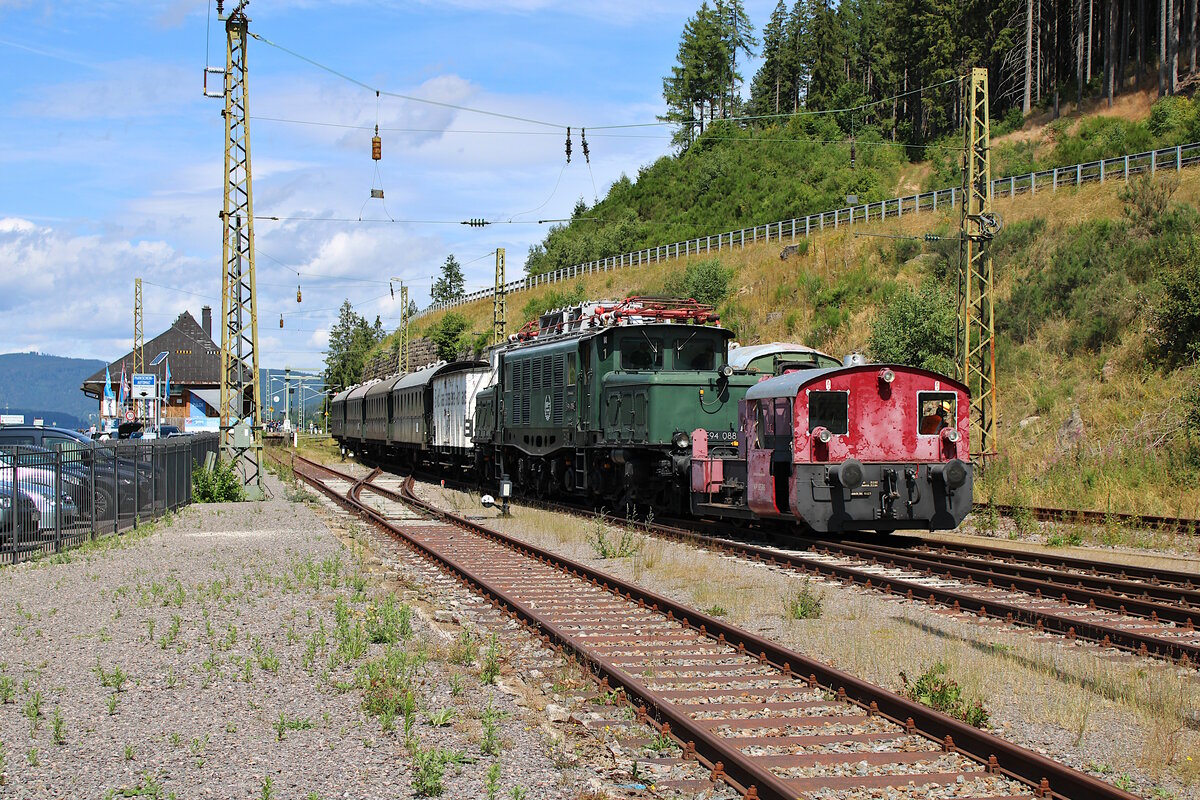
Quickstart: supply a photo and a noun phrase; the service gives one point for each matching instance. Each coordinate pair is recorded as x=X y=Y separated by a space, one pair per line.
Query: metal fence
x=51 y=499
x=1121 y=167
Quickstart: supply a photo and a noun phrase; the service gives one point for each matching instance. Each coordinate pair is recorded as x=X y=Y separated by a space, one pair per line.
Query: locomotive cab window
x=641 y=352
x=829 y=410
x=936 y=411
x=696 y=352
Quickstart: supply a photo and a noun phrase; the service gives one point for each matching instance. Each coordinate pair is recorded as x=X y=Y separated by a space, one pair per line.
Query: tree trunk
x=1110 y=23
x=1079 y=56
x=1091 y=14
x=1192 y=37
x=1162 y=47
x=1053 y=65
x=1037 y=84
x=1141 y=39
x=1173 y=78
x=1026 y=105
x=1124 y=59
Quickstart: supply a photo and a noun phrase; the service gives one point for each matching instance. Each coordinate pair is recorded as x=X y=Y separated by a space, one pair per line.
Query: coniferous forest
x=847 y=93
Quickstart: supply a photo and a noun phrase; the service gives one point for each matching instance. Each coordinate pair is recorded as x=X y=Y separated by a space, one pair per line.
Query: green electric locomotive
x=600 y=401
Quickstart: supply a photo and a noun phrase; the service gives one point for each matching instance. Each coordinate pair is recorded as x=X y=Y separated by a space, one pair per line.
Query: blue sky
x=111 y=166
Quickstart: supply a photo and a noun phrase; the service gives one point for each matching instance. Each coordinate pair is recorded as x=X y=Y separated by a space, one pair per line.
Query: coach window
x=829 y=410
x=936 y=411
x=570 y=369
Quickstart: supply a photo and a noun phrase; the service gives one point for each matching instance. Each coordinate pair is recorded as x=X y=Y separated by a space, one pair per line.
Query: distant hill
x=48 y=386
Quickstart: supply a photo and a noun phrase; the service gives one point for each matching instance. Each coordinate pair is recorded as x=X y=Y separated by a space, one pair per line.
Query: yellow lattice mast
x=975 y=346
x=241 y=442
x=405 y=349
x=499 y=301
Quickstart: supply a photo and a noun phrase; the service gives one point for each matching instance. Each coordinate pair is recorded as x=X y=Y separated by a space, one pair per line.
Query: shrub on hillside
x=554 y=298
x=1146 y=198
x=916 y=328
x=1175 y=316
x=1086 y=280
x=703 y=281
x=447 y=336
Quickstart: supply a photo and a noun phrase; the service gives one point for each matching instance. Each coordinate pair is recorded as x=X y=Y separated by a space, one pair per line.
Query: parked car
x=19 y=516
x=40 y=465
x=56 y=509
x=109 y=468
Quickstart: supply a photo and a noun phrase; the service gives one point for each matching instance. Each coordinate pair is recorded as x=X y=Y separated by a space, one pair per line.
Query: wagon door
x=769 y=462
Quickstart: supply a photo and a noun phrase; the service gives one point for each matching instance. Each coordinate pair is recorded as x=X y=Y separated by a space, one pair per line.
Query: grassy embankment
x=1078 y=276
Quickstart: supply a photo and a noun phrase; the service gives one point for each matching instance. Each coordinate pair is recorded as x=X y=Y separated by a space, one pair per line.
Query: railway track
x=768 y=721
x=1152 y=613
x=1181 y=525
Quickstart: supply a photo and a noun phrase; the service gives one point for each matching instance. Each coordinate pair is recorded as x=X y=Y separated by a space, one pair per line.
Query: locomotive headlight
x=886 y=376
x=822 y=434
x=726 y=371
x=951 y=435
x=680 y=440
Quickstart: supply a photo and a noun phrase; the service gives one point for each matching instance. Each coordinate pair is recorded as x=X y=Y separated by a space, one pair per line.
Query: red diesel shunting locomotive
x=860 y=447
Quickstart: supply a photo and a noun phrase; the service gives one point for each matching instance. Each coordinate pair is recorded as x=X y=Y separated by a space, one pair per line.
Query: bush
x=1086 y=281
x=916 y=328
x=221 y=484
x=1175 y=317
x=703 y=281
x=448 y=336
x=804 y=603
x=935 y=689
x=1146 y=199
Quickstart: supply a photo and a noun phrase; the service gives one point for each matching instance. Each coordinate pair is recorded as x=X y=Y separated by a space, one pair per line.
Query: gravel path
x=225 y=653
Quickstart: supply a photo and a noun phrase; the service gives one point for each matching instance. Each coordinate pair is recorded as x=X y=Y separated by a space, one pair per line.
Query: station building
x=195 y=364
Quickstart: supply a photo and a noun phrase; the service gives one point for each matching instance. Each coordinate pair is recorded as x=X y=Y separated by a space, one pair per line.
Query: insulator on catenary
x=568 y=145
x=281 y=320
x=583 y=138
x=376 y=146
x=297 y=293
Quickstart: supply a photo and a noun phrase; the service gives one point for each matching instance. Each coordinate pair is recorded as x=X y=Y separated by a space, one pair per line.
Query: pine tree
x=450 y=285
x=737 y=35
x=798 y=52
x=350 y=339
x=769 y=84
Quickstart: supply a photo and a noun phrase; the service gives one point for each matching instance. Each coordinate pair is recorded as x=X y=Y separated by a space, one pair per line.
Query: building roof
x=195 y=360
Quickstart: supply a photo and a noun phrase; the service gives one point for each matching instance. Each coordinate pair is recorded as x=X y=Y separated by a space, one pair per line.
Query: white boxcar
x=454 y=390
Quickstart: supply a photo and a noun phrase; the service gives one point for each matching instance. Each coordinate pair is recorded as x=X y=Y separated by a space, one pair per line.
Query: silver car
x=60 y=510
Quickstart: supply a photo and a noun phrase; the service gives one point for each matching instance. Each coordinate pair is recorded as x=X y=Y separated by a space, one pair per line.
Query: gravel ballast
x=221 y=654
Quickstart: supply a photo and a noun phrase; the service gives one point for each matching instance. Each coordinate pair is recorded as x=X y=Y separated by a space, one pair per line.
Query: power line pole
x=975 y=345
x=499 y=300
x=405 y=348
x=241 y=432
x=139 y=337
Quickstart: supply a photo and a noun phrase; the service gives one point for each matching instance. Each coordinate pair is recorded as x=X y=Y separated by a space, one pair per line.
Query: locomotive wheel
x=569 y=480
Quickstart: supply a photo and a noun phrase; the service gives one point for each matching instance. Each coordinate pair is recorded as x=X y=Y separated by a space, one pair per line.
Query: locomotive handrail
x=1170 y=158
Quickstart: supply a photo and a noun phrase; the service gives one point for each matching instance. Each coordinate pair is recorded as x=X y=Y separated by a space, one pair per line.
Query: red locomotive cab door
x=763 y=470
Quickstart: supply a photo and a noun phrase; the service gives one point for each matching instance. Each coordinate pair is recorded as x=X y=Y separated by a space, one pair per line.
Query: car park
x=116 y=476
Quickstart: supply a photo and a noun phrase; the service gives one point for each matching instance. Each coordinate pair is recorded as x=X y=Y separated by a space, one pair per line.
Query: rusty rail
x=1043 y=776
